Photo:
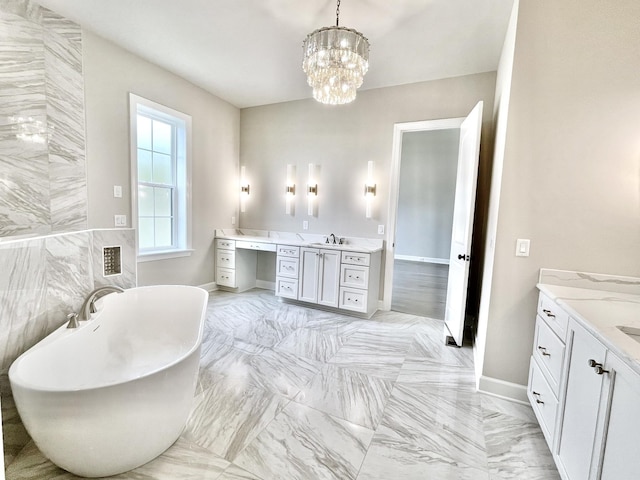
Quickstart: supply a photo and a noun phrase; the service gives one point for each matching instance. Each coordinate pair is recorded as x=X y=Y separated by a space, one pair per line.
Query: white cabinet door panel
x=582 y=400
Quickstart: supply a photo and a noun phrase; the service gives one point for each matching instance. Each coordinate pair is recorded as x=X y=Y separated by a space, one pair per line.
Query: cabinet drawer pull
x=544 y=352
x=548 y=313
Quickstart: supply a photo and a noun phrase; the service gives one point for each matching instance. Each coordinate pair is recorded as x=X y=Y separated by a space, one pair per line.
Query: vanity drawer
x=226 y=244
x=554 y=315
x=288 y=251
x=226 y=258
x=287 y=266
x=543 y=401
x=226 y=277
x=286 y=287
x=353 y=299
x=356 y=258
x=263 y=246
x=548 y=350
x=354 y=276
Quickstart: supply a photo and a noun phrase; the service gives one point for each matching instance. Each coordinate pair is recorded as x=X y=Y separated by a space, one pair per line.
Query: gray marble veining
x=263 y=413
x=230 y=414
x=590 y=281
x=346 y=394
x=42 y=137
x=303 y=443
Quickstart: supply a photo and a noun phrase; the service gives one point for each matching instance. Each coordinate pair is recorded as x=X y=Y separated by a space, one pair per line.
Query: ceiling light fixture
x=335 y=61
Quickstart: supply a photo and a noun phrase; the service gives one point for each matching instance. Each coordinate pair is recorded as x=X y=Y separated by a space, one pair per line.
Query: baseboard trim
x=209 y=287
x=501 y=389
x=411 y=258
x=265 y=285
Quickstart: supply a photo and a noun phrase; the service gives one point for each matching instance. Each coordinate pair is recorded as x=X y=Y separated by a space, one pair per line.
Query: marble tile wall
x=43 y=279
x=42 y=135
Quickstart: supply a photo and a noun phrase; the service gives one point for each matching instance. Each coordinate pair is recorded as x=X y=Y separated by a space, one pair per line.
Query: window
x=160 y=153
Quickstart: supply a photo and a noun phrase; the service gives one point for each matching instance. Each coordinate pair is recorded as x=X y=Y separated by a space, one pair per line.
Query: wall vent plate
x=112 y=261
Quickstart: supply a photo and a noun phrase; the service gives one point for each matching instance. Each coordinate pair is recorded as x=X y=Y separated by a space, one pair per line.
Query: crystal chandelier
x=335 y=61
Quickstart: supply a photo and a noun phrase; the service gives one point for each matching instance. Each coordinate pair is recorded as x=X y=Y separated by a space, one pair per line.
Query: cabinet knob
x=597 y=367
x=537 y=399
x=544 y=352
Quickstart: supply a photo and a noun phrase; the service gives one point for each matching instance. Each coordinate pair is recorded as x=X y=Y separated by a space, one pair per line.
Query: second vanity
x=344 y=276
x=584 y=380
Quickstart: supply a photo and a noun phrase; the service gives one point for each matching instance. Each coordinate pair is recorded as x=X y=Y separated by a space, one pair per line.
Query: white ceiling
x=249 y=52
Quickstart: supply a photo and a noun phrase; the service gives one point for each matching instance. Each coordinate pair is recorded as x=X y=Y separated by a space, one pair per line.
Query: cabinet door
x=329 y=278
x=582 y=399
x=308 y=281
x=621 y=459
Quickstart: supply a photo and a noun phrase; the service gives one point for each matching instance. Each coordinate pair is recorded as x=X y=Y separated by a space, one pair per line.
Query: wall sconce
x=369 y=189
x=290 y=190
x=312 y=189
x=244 y=189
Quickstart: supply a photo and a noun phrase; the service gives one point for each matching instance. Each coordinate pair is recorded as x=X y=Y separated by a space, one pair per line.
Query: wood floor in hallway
x=419 y=288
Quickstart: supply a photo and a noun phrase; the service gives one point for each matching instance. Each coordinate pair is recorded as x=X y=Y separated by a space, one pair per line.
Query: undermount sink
x=325 y=245
x=632 y=332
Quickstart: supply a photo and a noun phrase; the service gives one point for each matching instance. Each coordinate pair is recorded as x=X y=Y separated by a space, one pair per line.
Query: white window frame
x=182 y=230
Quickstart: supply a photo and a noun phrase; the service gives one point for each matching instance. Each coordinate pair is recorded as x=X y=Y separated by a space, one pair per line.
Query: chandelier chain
x=338 y=14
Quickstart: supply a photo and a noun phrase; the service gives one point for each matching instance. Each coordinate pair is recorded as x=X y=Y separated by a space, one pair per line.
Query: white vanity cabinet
x=287 y=271
x=546 y=364
x=225 y=263
x=620 y=457
x=354 y=281
x=586 y=399
x=576 y=451
x=319 y=279
x=235 y=264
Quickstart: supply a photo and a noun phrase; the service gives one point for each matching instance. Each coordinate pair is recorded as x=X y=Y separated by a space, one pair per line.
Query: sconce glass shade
x=312 y=189
x=290 y=190
x=369 y=189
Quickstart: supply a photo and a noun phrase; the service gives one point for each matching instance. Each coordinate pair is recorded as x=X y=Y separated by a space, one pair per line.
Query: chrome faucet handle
x=73 y=320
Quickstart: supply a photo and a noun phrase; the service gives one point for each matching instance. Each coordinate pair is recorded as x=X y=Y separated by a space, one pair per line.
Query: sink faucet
x=89 y=305
x=334 y=238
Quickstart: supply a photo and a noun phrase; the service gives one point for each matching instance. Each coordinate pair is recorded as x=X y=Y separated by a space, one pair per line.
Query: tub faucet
x=89 y=305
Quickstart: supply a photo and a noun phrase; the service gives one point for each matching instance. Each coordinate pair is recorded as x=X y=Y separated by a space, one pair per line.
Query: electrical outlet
x=117 y=191
x=120 y=220
x=305 y=225
x=380 y=229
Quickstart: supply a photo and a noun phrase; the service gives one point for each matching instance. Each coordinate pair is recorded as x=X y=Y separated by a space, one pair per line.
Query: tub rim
x=15 y=378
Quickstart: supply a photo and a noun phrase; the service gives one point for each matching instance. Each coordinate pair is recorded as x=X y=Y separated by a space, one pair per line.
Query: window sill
x=163 y=255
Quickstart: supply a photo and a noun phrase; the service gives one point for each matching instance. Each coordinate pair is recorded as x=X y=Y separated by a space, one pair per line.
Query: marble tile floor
x=287 y=392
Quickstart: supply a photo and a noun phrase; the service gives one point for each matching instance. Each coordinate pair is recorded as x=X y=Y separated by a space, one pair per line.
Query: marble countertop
x=601 y=303
x=351 y=244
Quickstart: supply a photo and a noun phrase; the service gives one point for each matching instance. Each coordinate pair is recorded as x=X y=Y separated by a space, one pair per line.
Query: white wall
x=110 y=74
x=341 y=140
x=571 y=175
x=428 y=168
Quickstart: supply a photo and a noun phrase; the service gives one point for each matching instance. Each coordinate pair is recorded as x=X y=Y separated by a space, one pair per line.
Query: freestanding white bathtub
x=114 y=393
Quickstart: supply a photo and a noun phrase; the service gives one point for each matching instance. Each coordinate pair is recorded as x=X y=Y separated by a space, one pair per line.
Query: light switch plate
x=117 y=191
x=305 y=225
x=380 y=229
x=120 y=220
x=522 y=247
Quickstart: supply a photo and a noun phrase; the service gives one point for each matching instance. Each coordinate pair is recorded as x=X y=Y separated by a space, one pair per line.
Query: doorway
x=469 y=128
x=426 y=194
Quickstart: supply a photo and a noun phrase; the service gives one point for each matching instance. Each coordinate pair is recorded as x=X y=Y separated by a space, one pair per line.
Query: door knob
x=462 y=256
